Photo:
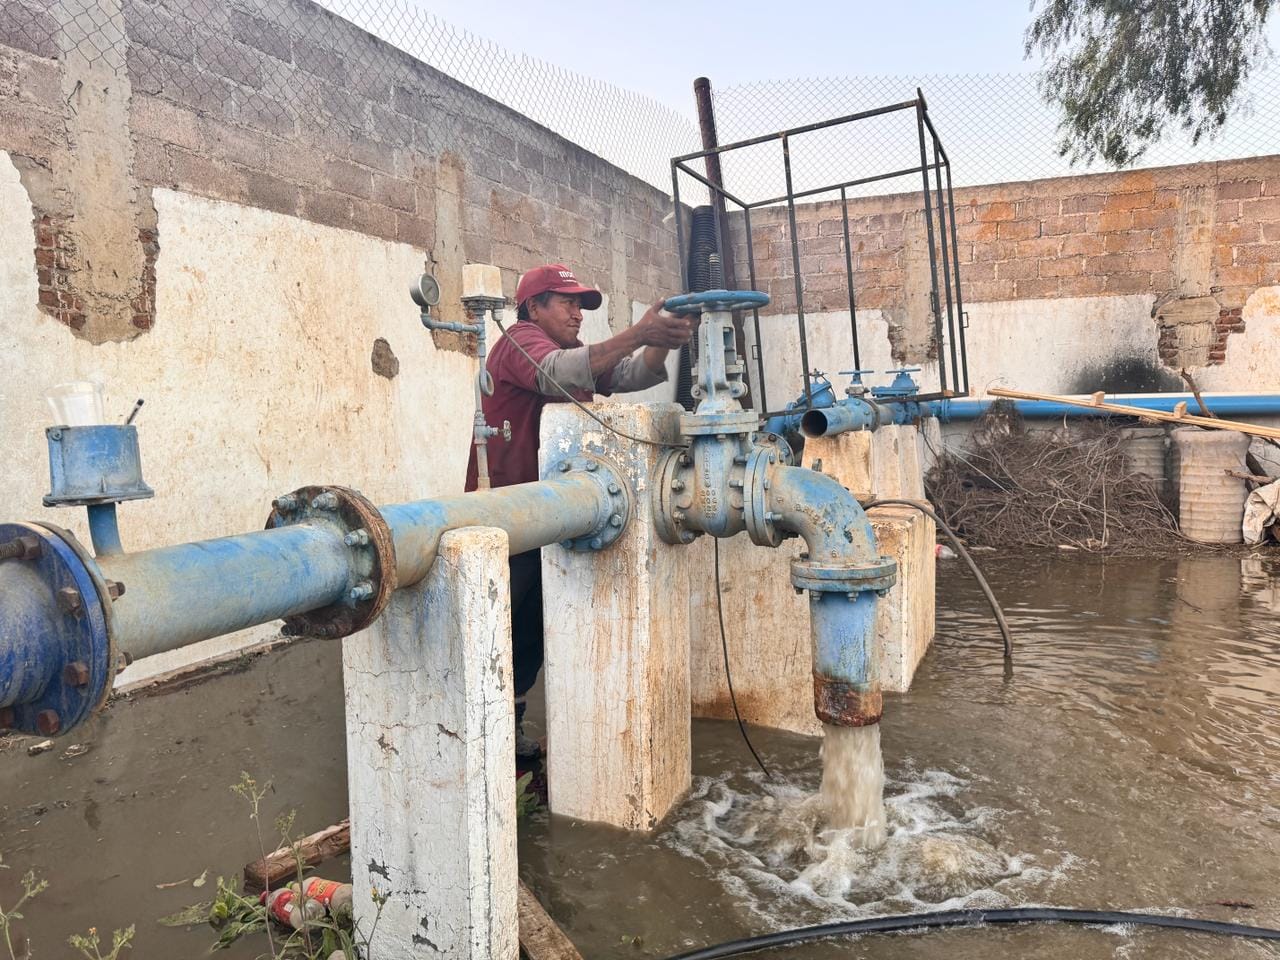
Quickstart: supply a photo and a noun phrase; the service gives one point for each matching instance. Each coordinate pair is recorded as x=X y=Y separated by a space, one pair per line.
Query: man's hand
x=663 y=330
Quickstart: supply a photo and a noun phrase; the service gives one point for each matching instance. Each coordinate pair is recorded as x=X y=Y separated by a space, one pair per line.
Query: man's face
x=560 y=319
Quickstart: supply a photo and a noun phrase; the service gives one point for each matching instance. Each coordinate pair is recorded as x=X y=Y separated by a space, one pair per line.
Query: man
x=550 y=301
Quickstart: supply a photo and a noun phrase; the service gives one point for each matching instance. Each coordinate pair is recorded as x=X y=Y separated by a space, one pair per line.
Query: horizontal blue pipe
x=181 y=594
x=1225 y=405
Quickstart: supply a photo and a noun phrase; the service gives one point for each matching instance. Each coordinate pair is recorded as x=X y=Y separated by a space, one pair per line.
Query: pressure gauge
x=426 y=292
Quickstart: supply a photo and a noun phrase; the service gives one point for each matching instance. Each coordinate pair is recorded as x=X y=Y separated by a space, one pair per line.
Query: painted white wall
x=257 y=377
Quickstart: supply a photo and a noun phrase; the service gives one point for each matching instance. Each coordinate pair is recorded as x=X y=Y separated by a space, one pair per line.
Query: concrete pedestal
x=617 y=640
x=905 y=617
x=430 y=747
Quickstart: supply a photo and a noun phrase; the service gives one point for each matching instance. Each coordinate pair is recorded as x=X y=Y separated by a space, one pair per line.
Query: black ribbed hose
x=705 y=273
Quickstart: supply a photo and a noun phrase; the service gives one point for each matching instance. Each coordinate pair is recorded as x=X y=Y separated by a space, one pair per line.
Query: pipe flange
x=879 y=575
x=615 y=504
x=755 y=496
x=668 y=502
x=778 y=444
x=373 y=557
x=74 y=624
x=844 y=704
x=732 y=423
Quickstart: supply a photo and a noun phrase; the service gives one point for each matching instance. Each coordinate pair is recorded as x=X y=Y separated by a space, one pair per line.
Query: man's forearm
x=607 y=353
x=655 y=358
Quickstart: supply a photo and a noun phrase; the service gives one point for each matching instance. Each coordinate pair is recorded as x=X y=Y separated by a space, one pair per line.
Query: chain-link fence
x=996 y=128
x=357 y=65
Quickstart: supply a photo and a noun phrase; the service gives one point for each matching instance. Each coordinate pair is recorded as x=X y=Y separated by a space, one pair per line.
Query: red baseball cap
x=555 y=278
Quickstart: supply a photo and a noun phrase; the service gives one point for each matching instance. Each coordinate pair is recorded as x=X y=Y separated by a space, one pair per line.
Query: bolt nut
x=357 y=538
x=48 y=722
x=325 y=501
x=678 y=516
x=592 y=466
x=596 y=543
x=361 y=591
x=799 y=590
x=563 y=466
x=677 y=485
x=69 y=601
x=7 y=718
x=567 y=544
x=614 y=489
x=286 y=504
x=115 y=589
x=55 y=434
x=123 y=661
x=76 y=674
x=684 y=460
x=615 y=520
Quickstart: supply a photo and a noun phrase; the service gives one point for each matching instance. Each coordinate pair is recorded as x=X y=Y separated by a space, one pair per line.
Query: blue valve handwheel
x=716 y=300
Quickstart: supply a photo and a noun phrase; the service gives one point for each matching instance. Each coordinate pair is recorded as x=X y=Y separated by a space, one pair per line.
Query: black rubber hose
x=974 y=918
x=928 y=511
x=702 y=276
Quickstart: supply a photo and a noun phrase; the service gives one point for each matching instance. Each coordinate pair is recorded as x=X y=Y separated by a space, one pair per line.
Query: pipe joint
x=847 y=578
x=361 y=529
x=613 y=505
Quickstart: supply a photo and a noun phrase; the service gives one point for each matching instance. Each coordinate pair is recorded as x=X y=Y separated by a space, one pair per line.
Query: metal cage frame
x=933 y=157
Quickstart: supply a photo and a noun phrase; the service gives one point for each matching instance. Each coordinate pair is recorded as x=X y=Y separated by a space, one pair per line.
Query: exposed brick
x=1086 y=203
x=1271 y=232
x=210 y=178
x=1062 y=267
x=1115 y=220
x=1128 y=283
x=373 y=218
x=1227 y=210
x=223 y=141
x=987 y=291
x=1240 y=231
x=1019 y=229
x=328 y=208
x=1151 y=262
x=272 y=193
x=1039 y=247
x=226 y=58
x=1107 y=264
x=1088 y=244
x=1036 y=289
x=1259 y=253
x=154 y=27
x=1267 y=208
x=1082 y=286
x=1018 y=269
x=261 y=34
x=978 y=232
x=1129 y=201
x=1058 y=225
x=1153 y=218
x=988 y=212
x=1134 y=241
x=348 y=178
x=1239 y=190
x=25 y=28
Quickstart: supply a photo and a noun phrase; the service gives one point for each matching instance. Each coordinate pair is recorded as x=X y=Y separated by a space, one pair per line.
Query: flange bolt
x=361 y=591
x=48 y=722
x=357 y=538
x=592 y=466
x=596 y=543
x=325 y=501
x=76 y=674
x=69 y=600
x=615 y=520
x=286 y=504
x=614 y=489
x=563 y=466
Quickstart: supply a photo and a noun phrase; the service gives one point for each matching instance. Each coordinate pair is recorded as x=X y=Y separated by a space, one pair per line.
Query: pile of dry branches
x=1075 y=488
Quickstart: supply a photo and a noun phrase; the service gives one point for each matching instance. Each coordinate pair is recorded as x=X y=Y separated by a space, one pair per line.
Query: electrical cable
x=928 y=511
x=574 y=400
x=974 y=918
x=724 y=645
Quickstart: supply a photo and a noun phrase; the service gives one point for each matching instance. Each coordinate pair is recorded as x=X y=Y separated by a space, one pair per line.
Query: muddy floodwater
x=1131 y=760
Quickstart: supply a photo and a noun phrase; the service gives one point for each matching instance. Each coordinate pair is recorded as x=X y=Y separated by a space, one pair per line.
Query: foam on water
x=778 y=848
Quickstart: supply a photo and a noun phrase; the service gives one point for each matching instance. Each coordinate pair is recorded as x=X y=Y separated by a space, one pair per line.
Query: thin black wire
x=575 y=401
x=724 y=645
x=974 y=918
x=960 y=549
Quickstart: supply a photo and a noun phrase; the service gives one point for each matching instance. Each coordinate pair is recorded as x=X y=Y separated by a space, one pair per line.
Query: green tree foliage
x=1122 y=70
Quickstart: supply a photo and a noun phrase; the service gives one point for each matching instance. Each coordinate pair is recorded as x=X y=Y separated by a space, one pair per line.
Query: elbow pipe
x=65 y=616
x=845 y=416
x=844 y=575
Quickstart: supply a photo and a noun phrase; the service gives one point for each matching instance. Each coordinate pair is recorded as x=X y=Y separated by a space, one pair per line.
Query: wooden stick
x=1195 y=392
x=277 y=868
x=540 y=937
x=1252 y=429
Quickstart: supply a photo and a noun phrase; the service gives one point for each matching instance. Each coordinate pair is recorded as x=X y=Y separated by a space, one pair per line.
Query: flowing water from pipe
x=852 y=792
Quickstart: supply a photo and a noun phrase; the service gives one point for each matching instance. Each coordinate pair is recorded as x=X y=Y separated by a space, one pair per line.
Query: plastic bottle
x=335 y=897
x=286 y=907
x=943 y=552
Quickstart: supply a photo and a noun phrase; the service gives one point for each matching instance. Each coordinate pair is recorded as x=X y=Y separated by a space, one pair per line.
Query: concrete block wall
x=1105 y=281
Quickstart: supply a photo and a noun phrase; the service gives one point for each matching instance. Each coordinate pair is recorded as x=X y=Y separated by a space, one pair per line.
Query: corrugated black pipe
x=704 y=274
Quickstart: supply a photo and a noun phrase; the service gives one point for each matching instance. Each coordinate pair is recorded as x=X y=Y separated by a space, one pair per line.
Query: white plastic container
x=77 y=403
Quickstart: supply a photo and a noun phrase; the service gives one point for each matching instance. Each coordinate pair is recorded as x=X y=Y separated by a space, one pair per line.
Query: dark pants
x=526 y=619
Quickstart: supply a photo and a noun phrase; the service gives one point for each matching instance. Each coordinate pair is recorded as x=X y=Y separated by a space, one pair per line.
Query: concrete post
x=430 y=760
x=616 y=633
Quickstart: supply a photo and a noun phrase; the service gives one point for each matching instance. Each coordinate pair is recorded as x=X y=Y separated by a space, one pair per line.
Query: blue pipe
x=181 y=594
x=104 y=529
x=843 y=575
x=1227 y=405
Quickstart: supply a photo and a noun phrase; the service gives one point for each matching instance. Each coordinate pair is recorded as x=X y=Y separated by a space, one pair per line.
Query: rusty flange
x=373 y=557
x=844 y=705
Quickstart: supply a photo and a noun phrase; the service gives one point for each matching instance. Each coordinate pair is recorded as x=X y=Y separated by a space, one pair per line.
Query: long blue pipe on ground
x=1225 y=405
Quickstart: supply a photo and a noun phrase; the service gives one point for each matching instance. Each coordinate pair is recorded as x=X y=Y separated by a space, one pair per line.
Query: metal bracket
x=612 y=519
x=373 y=557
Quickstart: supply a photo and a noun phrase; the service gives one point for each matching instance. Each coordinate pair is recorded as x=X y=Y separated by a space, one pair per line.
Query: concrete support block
x=910 y=466
x=430 y=742
x=766 y=631
x=905 y=617
x=886 y=461
x=617 y=641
